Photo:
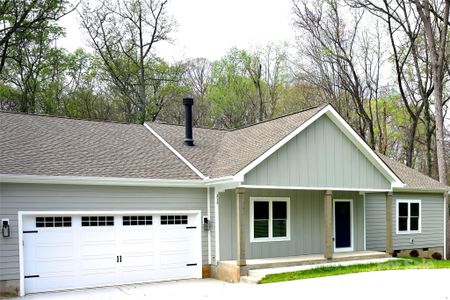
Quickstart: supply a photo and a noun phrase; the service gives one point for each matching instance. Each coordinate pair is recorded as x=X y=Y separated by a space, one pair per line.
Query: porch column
x=389 y=246
x=240 y=230
x=328 y=219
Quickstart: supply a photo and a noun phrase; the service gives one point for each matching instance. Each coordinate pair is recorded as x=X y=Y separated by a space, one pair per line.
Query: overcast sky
x=209 y=28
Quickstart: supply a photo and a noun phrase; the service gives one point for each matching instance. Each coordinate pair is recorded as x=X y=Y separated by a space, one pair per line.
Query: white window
x=269 y=219
x=408 y=216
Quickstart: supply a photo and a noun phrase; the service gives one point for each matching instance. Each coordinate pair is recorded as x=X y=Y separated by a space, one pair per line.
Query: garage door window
x=174 y=220
x=88 y=221
x=53 y=222
x=137 y=220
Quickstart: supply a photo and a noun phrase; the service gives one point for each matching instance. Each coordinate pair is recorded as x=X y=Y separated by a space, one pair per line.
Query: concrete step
x=249 y=279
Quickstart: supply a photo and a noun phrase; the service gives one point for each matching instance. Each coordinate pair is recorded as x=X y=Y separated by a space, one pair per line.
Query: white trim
x=85 y=180
x=181 y=157
x=274 y=187
x=217 y=225
x=208 y=208
x=408 y=201
x=445 y=224
x=352 y=245
x=346 y=129
x=219 y=180
x=270 y=200
x=417 y=190
x=21 y=263
x=20 y=215
x=105 y=212
x=365 y=226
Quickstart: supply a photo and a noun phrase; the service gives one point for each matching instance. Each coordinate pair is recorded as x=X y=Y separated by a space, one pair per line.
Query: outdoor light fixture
x=5 y=228
x=205 y=223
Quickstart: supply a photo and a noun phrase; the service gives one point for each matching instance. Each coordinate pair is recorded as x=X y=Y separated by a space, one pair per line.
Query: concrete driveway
x=407 y=284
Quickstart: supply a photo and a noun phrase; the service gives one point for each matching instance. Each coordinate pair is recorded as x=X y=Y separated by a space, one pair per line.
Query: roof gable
x=346 y=130
x=319 y=157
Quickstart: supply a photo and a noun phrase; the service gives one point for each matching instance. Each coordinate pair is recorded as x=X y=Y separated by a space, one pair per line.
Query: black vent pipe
x=188 y=139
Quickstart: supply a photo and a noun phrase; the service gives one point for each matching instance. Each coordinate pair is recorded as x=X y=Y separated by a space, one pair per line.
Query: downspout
x=208 y=207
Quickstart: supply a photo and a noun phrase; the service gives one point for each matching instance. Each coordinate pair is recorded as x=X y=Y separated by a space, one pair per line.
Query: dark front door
x=343 y=224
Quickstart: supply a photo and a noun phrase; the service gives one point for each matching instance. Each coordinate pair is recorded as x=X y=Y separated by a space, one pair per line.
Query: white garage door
x=76 y=251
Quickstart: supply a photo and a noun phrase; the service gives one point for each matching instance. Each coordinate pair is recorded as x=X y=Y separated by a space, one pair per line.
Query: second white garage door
x=64 y=251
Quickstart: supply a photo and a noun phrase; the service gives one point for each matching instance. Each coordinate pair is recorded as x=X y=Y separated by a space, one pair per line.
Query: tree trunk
x=429 y=130
x=410 y=139
x=437 y=55
x=142 y=97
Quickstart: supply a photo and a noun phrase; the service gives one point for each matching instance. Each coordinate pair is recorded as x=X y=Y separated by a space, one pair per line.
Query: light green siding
x=306 y=221
x=321 y=156
x=28 y=197
x=376 y=222
x=432 y=234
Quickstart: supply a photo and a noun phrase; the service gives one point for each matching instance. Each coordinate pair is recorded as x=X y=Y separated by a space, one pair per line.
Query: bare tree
x=436 y=38
x=124 y=34
x=332 y=45
x=411 y=65
x=198 y=78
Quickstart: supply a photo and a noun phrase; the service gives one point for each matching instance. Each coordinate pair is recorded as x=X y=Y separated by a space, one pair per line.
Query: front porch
x=230 y=271
x=306 y=234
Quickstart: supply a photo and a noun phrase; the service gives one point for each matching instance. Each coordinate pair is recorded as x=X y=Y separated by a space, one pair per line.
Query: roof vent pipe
x=188 y=139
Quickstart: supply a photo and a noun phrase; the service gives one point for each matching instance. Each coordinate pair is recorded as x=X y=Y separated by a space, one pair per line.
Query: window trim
x=397 y=206
x=288 y=219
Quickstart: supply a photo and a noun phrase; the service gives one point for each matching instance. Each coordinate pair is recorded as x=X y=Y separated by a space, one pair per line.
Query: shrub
x=414 y=253
x=436 y=255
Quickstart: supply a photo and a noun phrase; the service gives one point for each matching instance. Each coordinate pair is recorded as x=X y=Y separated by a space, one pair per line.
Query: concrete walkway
x=256 y=275
x=406 y=284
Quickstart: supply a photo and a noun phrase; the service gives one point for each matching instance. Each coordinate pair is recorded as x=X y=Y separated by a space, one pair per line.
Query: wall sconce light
x=205 y=223
x=6 y=232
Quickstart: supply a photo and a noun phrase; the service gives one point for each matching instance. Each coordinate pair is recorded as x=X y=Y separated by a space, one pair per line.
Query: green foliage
x=397 y=264
x=231 y=92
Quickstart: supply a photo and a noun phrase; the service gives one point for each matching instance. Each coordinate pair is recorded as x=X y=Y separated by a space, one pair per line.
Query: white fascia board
x=346 y=129
x=181 y=157
x=309 y=188
x=84 y=180
x=412 y=190
x=219 y=180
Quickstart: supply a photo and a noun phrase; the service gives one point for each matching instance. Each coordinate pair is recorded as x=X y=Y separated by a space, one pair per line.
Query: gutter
x=417 y=190
x=110 y=181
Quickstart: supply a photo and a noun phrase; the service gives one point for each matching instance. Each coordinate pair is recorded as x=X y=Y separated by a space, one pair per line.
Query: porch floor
x=312 y=259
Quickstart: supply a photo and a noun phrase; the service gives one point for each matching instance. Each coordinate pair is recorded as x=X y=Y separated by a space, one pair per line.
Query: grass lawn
x=398 y=264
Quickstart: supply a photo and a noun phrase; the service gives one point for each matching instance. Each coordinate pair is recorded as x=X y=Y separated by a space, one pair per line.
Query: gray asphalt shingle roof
x=220 y=153
x=53 y=146
x=412 y=179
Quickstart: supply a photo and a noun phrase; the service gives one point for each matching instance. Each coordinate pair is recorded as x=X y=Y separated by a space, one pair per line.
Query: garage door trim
x=20 y=215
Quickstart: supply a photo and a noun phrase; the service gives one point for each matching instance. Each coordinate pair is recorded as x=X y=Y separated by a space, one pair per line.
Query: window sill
x=264 y=240
x=408 y=232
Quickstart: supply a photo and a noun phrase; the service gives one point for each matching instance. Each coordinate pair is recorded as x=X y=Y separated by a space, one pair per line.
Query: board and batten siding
x=29 y=197
x=306 y=221
x=432 y=234
x=320 y=156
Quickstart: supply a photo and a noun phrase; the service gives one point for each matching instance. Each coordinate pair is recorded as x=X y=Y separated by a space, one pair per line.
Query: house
x=87 y=203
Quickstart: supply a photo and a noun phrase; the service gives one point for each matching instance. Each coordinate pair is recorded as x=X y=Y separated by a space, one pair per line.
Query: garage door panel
x=98 y=235
x=54 y=251
x=130 y=249
x=44 y=284
x=55 y=267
